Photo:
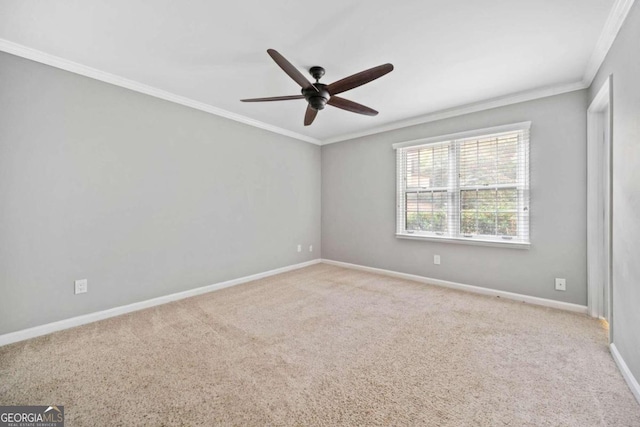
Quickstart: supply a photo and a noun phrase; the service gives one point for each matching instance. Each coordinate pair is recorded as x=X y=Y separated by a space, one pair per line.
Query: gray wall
x=623 y=62
x=140 y=196
x=359 y=190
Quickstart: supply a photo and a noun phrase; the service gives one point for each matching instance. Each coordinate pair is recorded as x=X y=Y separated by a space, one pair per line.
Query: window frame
x=454 y=190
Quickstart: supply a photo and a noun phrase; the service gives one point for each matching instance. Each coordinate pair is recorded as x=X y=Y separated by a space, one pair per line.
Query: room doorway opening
x=599 y=205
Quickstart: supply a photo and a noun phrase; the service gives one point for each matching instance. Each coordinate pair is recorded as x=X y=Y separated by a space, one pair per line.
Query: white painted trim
x=598 y=198
x=616 y=18
x=626 y=372
x=467 y=288
x=465 y=109
x=117 y=311
x=614 y=22
x=466 y=241
x=74 y=67
x=462 y=135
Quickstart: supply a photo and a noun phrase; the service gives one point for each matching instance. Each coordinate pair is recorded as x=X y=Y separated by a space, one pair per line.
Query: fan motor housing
x=318 y=99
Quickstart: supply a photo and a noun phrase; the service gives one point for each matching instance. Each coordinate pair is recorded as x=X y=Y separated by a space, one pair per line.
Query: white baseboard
x=116 y=311
x=626 y=372
x=469 y=288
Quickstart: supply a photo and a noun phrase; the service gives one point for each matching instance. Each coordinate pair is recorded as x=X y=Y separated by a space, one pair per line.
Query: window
x=469 y=187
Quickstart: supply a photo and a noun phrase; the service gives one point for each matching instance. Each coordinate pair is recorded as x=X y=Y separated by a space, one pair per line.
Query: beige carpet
x=327 y=346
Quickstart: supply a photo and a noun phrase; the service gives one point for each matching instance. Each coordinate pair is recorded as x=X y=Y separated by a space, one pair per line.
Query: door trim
x=599 y=202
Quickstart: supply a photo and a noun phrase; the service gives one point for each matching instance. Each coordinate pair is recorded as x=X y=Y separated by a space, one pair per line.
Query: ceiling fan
x=319 y=94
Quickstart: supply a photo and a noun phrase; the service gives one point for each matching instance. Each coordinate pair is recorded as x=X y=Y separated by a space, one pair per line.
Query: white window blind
x=470 y=187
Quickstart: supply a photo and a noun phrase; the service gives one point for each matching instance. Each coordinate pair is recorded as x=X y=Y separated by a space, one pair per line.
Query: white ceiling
x=446 y=53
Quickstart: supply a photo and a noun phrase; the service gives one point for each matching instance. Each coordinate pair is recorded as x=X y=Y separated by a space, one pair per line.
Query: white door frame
x=599 y=204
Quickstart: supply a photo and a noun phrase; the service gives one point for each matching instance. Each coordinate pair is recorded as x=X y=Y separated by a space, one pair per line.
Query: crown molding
x=612 y=26
x=465 y=109
x=83 y=70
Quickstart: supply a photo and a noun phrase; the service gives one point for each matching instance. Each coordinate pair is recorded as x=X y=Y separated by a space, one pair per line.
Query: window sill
x=465 y=241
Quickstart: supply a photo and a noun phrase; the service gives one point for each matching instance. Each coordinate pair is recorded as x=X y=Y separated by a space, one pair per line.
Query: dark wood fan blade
x=359 y=79
x=354 y=107
x=292 y=71
x=309 y=115
x=273 y=98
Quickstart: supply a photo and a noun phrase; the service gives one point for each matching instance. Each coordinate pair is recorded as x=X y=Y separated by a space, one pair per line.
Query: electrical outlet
x=436 y=259
x=81 y=286
x=310 y=248
x=299 y=248
x=561 y=284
